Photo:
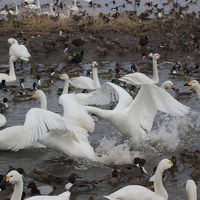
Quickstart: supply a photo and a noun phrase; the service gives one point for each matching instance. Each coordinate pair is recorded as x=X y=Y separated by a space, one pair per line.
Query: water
x=169 y=136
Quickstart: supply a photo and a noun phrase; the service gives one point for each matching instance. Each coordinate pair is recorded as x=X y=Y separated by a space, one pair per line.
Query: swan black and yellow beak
x=188 y=84
x=7 y=179
x=33 y=96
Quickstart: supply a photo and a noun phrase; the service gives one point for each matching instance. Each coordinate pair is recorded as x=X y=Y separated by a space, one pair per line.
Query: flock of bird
x=69 y=133
x=61 y=9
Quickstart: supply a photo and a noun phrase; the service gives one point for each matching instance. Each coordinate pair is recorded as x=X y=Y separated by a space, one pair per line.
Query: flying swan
x=134 y=117
x=68 y=134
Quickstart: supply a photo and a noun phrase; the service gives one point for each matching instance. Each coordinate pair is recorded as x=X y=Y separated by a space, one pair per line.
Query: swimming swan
x=139 y=79
x=11 y=77
x=137 y=192
x=84 y=82
x=134 y=117
x=15 y=178
x=191 y=189
x=195 y=86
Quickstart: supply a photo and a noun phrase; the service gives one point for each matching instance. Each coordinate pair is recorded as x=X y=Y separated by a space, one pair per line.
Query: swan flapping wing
x=39 y=124
x=137 y=78
x=110 y=92
x=83 y=82
x=75 y=113
x=149 y=100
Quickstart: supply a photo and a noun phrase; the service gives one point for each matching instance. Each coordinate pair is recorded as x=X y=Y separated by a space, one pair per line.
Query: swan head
x=169 y=85
x=165 y=164
x=64 y=77
x=13 y=177
x=194 y=84
x=12 y=41
x=94 y=64
x=191 y=187
x=155 y=56
x=37 y=94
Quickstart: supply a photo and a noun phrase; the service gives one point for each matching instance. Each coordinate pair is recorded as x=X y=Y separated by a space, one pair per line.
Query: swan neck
x=97 y=111
x=43 y=101
x=197 y=90
x=158 y=184
x=66 y=87
x=155 y=71
x=163 y=86
x=192 y=195
x=18 y=189
x=75 y=3
x=96 y=78
x=38 y=4
x=12 y=69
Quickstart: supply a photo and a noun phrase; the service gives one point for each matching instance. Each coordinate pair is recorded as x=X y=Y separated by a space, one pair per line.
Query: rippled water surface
x=169 y=135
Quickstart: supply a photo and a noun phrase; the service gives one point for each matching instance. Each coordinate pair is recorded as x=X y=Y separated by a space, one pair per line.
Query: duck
x=138 y=78
x=84 y=82
x=14 y=178
x=18 y=51
x=4 y=105
x=115 y=178
x=195 y=86
x=11 y=76
x=76 y=57
x=77 y=187
x=127 y=117
x=137 y=192
x=41 y=190
x=191 y=190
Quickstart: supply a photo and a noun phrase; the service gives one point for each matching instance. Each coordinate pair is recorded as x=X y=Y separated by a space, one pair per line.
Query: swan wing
x=110 y=92
x=137 y=78
x=82 y=82
x=149 y=100
x=19 y=51
x=75 y=113
x=39 y=124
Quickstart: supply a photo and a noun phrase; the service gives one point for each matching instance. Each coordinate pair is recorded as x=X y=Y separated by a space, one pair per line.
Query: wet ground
x=170 y=135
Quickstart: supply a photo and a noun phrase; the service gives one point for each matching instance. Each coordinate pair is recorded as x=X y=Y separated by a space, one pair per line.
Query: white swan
x=11 y=76
x=82 y=98
x=18 y=51
x=84 y=82
x=134 y=117
x=68 y=134
x=74 y=8
x=16 y=179
x=2 y=120
x=137 y=192
x=33 y=6
x=191 y=189
x=139 y=79
x=195 y=86
x=168 y=85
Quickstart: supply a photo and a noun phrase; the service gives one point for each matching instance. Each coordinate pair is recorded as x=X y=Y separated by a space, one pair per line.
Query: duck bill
x=188 y=84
